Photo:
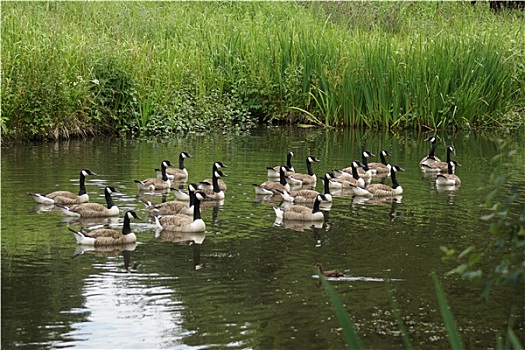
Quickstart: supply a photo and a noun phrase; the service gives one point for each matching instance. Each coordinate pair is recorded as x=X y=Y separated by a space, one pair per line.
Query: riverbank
x=73 y=69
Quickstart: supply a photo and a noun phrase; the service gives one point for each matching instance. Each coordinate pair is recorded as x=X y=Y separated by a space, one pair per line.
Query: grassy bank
x=86 y=67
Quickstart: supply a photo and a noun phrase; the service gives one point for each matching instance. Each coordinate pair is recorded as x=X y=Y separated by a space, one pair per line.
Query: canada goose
x=382 y=168
x=431 y=158
x=208 y=183
x=93 y=210
x=331 y=273
x=439 y=166
x=106 y=236
x=345 y=180
x=364 y=170
x=301 y=212
x=382 y=190
x=66 y=197
x=215 y=193
x=304 y=179
x=152 y=184
x=308 y=196
x=184 y=223
x=271 y=187
x=273 y=172
x=449 y=179
x=173 y=207
x=179 y=174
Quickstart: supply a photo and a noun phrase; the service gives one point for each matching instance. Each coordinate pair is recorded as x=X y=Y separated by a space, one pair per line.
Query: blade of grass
x=453 y=335
x=399 y=320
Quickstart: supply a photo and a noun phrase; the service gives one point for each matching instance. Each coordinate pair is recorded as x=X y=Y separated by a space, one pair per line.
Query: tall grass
x=110 y=66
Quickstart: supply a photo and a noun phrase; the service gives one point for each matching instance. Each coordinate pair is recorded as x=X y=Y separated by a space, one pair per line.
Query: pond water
x=246 y=283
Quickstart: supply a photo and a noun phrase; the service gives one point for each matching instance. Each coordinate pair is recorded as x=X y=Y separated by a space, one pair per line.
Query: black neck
x=449 y=150
x=196 y=209
x=82 y=185
x=355 y=174
x=181 y=162
x=126 y=229
x=282 y=177
x=109 y=200
x=163 y=171
x=450 y=168
x=326 y=185
x=289 y=160
x=192 y=197
x=309 y=168
x=395 y=184
x=215 y=181
x=316 y=206
x=383 y=159
x=365 y=163
x=432 y=150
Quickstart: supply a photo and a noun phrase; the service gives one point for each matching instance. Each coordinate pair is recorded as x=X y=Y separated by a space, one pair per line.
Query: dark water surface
x=249 y=283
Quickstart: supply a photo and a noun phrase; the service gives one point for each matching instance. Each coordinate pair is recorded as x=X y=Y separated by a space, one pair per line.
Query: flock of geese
x=300 y=202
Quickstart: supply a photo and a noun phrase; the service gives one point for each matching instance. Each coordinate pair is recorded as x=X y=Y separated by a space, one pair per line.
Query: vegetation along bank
x=72 y=69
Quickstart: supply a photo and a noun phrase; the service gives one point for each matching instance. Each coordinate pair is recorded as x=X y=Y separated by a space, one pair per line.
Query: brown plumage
x=304 y=179
x=65 y=197
x=93 y=210
x=272 y=187
x=106 y=236
x=156 y=184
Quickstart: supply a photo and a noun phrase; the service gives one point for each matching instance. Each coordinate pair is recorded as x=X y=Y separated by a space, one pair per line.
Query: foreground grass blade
x=349 y=333
x=399 y=320
x=453 y=334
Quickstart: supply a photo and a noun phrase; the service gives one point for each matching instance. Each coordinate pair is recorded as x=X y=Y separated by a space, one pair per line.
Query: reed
x=115 y=66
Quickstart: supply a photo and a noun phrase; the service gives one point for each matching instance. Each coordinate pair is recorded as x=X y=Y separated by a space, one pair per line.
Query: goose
x=383 y=168
x=173 y=207
x=184 y=223
x=439 y=166
x=301 y=212
x=331 y=273
x=382 y=190
x=308 y=196
x=179 y=174
x=449 y=179
x=208 y=183
x=431 y=158
x=345 y=180
x=106 y=236
x=93 y=210
x=299 y=179
x=215 y=193
x=364 y=170
x=152 y=184
x=271 y=187
x=66 y=197
x=273 y=172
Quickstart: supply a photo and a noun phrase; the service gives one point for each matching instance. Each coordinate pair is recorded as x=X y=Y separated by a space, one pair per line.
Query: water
x=248 y=284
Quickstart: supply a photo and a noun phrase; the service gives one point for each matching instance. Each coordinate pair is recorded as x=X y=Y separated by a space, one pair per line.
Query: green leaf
x=514 y=341
x=466 y=251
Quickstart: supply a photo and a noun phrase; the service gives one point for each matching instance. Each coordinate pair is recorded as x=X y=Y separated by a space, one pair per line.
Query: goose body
x=331 y=273
x=179 y=174
x=383 y=168
x=301 y=212
x=308 y=196
x=271 y=187
x=439 y=166
x=184 y=223
x=273 y=172
x=364 y=170
x=156 y=184
x=345 y=180
x=93 y=210
x=174 y=207
x=208 y=183
x=215 y=193
x=304 y=179
x=66 y=197
x=450 y=178
x=431 y=158
x=382 y=190
x=106 y=236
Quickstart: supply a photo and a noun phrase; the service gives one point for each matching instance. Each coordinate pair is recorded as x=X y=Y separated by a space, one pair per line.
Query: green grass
x=76 y=68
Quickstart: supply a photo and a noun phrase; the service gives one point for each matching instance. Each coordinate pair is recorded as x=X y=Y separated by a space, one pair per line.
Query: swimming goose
x=215 y=193
x=66 y=197
x=299 y=179
x=179 y=174
x=364 y=170
x=208 y=183
x=93 y=210
x=106 y=236
x=173 y=207
x=184 y=223
x=308 y=196
x=301 y=212
x=273 y=172
x=431 y=158
x=439 y=166
x=271 y=187
x=382 y=190
x=450 y=178
x=152 y=184
x=345 y=180
x=383 y=168
x=331 y=273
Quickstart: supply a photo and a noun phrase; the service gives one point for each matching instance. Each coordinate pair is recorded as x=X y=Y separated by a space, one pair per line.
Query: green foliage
x=506 y=214
x=131 y=66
